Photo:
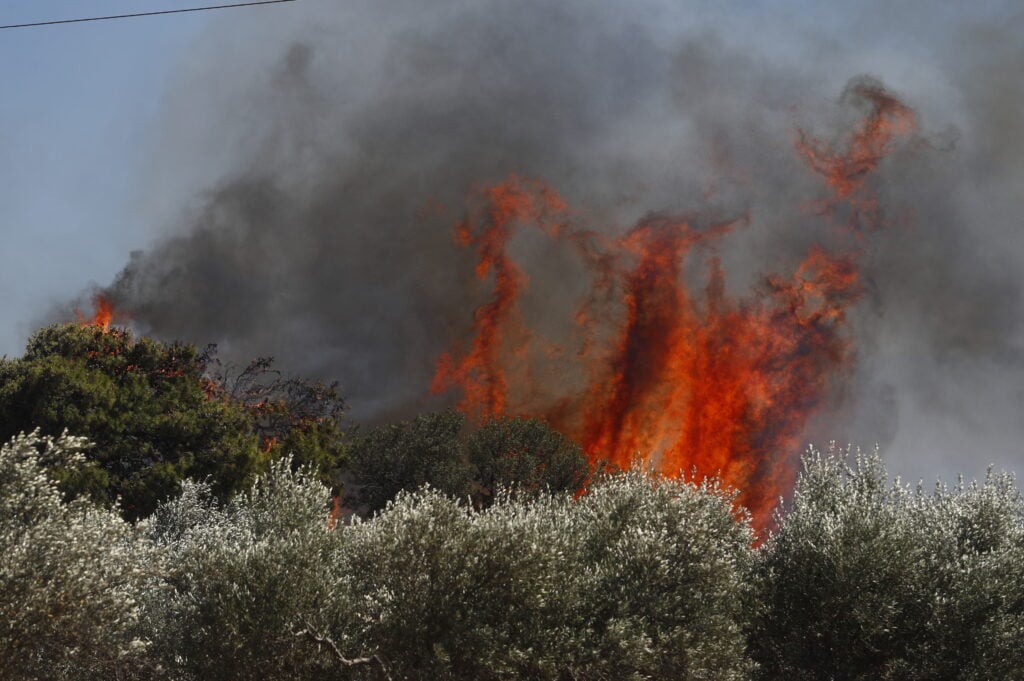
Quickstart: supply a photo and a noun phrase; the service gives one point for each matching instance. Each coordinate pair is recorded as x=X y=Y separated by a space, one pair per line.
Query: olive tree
x=70 y=573
x=253 y=583
x=659 y=580
x=867 y=579
x=640 y=578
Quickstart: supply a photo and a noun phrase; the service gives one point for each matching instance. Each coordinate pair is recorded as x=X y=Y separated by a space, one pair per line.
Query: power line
x=146 y=14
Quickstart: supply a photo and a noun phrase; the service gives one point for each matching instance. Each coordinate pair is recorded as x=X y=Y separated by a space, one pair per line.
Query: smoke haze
x=309 y=175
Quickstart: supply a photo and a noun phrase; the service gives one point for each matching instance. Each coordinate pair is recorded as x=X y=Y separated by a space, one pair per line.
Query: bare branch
x=312 y=634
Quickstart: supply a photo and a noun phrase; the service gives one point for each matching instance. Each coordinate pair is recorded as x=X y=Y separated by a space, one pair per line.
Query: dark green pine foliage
x=526 y=454
x=292 y=417
x=426 y=450
x=440 y=450
x=153 y=416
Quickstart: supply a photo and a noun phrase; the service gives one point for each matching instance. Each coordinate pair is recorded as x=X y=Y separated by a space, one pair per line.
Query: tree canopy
x=493 y=551
x=638 y=578
x=867 y=579
x=442 y=451
x=72 y=575
x=155 y=414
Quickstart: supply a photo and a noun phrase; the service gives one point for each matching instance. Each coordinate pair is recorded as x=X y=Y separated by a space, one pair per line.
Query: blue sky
x=76 y=120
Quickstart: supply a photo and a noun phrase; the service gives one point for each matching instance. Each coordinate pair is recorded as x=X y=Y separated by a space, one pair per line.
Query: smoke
x=332 y=150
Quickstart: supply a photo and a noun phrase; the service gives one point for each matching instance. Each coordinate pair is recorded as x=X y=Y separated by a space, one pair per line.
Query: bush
x=527 y=455
x=513 y=453
x=639 y=579
x=405 y=456
x=867 y=580
x=71 y=574
x=246 y=578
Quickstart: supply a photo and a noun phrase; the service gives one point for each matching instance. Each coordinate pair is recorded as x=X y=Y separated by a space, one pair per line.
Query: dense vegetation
x=519 y=454
x=477 y=557
x=157 y=414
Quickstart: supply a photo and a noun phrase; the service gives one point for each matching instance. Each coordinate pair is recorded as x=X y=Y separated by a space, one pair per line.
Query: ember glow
x=685 y=378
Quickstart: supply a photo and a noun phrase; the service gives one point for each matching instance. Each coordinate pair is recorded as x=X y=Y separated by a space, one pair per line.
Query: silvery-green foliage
x=245 y=579
x=870 y=580
x=658 y=582
x=976 y=626
x=844 y=589
x=641 y=578
x=70 y=573
x=441 y=591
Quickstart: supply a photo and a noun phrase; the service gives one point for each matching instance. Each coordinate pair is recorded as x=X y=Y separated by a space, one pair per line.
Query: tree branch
x=312 y=634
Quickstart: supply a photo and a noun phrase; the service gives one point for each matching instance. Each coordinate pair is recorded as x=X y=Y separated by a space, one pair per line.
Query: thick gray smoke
x=332 y=149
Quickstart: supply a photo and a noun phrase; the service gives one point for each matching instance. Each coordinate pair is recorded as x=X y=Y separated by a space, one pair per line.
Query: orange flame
x=335 y=514
x=481 y=371
x=873 y=138
x=685 y=380
x=103 y=313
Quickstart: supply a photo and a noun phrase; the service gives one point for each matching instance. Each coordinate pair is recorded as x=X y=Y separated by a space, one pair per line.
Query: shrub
x=246 y=579
x=870 y=580
x=527 y=455
x=503 y=452
x=640 y=578
x=70 y=573
x=405 y=456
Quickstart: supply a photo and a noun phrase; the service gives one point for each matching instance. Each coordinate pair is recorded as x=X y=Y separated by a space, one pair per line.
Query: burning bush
x=687 y=376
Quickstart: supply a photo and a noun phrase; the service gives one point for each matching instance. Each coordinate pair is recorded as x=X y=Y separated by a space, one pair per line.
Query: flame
x=685 y=380
x=845 y=173
x=335 y=514
x=103 y=313
x=480 y=372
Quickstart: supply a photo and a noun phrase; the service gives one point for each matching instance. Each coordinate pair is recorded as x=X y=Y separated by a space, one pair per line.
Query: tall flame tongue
x=499 y=333
x=686 y=380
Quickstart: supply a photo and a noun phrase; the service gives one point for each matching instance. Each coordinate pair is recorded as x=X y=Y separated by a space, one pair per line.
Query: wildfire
x=873 y=138
x=481 y=371
x=686 y=380
x=103 y=313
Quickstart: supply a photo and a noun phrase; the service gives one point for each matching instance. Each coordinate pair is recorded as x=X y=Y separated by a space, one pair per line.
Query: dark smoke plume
x=340 y=153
